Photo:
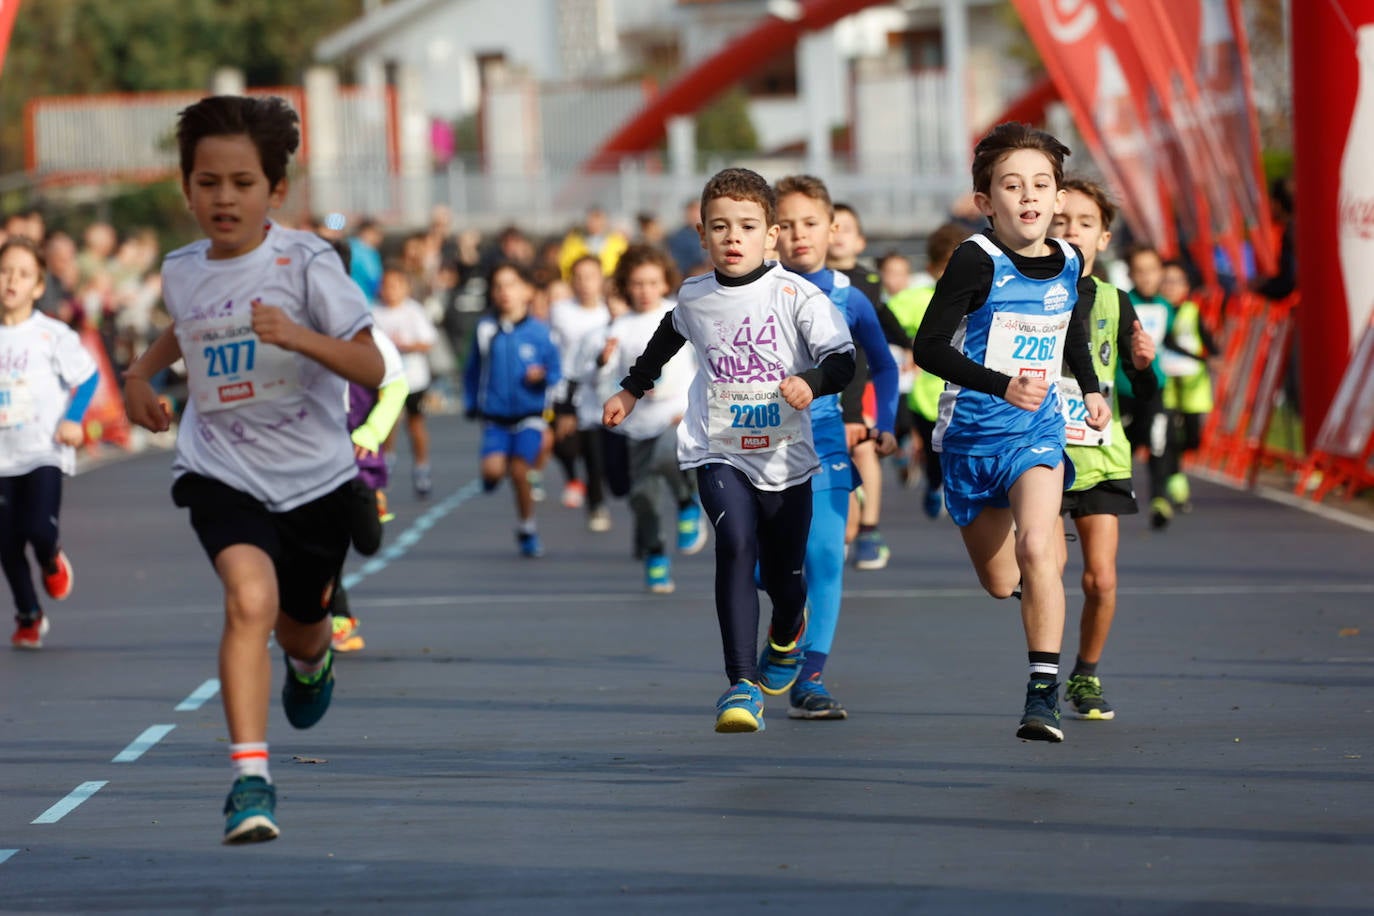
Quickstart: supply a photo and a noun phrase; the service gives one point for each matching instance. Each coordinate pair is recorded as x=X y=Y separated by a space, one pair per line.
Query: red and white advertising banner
x=8 y=9
x=1333 y=135
x=1070 y=37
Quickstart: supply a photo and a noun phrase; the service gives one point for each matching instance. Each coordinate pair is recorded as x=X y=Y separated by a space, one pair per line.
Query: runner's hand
x=1142 y=347
x=1099 y=413
x=144 y=407
x=1026 y=392
x=69 y=433
x=887 y=444
x=273 y=326
x=618 y=407
x=796 y=392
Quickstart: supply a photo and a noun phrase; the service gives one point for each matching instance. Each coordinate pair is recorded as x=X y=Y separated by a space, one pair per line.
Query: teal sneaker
x=306 y=703
x=740 y=709
x=658 y=574
x=779 y=666
x=249 y=811
x=810 y=700
x=1041 y=719
x=691 y=533
x=1084 y=693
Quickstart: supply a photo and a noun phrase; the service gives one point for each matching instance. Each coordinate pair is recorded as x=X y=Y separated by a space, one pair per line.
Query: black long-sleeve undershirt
x=963 y=288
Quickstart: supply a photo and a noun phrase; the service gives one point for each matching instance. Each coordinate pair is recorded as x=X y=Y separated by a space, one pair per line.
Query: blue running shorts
x=521 y=440
x=975 y=482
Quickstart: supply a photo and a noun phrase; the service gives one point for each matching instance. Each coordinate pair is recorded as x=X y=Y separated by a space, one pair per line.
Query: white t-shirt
x=262 y=419
x=41 y=361
x=661 y=405
x=569 y=323
x=393 y=367
x=408 y=325
x=747 y=340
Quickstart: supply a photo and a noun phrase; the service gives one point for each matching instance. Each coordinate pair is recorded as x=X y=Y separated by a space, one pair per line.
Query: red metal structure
x=712 y=76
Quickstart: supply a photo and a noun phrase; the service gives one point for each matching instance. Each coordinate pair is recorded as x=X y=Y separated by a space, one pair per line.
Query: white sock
x=527 y=526
x=305 y=669
x=250 y=759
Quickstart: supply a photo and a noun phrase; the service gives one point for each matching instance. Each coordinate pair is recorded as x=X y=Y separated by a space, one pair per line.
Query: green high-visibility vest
x=1096 y=463
x=1189 y=393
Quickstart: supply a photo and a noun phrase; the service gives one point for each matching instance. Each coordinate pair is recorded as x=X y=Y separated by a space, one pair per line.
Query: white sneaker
x=599 y=520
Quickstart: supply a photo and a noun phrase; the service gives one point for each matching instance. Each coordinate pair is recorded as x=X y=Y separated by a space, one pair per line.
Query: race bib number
x=1031 y=345
x=17 y=405
x=1076 y=428
x=1177 y=365
x=750 y=417
x=228 y=367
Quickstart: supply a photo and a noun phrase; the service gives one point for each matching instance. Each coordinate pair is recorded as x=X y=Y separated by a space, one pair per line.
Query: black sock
x=867 y=529
x=1087 y=669
x=1044 y=665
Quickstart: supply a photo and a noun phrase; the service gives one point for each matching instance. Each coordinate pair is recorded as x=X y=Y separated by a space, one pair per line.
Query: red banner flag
x=1090 y=79
x=8 y=10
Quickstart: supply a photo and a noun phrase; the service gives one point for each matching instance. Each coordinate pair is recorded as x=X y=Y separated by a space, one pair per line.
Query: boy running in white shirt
x=404 y=320
x=41 y=362
x=272 y=329
x=767 y=343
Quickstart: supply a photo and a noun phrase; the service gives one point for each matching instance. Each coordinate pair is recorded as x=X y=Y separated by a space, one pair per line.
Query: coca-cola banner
x=1092 y=82
x=1333 y=132
x=8 y=9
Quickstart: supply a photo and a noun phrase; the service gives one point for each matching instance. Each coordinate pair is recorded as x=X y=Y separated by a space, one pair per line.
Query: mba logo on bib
x=753 y=442
x=1056 y=298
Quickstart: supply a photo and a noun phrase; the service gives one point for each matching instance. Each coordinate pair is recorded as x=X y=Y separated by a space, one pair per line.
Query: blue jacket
x=494 y=385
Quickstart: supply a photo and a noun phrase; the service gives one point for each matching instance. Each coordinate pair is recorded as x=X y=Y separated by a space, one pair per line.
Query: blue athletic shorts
x=975 y=482
x=522 y=440
x=837 y=473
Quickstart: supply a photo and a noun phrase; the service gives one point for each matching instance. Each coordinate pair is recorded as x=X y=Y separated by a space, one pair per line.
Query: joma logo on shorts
x=236 y=392
x=753 y=442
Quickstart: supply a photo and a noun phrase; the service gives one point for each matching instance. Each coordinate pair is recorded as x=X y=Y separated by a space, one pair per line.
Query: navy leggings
x=760 y=527
x=28 y=515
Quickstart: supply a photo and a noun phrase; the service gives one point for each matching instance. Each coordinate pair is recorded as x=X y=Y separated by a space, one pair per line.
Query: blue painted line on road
x=5 y=855
x=198 y=696
x=412 y=535
x=68 y=804
x=140 y=745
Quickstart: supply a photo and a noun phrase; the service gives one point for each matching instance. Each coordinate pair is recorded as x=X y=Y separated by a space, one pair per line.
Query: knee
x=1038 y=550
x=1099 y=583
x=999 y=587
x=251 y=604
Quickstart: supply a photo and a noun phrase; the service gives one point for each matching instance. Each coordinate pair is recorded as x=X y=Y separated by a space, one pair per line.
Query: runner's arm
x=662 y=347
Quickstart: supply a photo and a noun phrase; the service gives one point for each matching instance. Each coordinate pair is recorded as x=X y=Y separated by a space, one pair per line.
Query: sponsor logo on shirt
x=752 y=442
x=1056 y=298
x=282 y=262
x=235 y=392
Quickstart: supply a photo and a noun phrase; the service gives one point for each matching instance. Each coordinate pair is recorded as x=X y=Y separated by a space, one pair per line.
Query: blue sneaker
x=810 y=700
x=306 y=703
x=779 y=666
x=249 y=811
x=529 y=544
x=870 y=551
x=657 y=577
x=691 y=533
x=932 y=501
x=740 y=709
x=1041 y=720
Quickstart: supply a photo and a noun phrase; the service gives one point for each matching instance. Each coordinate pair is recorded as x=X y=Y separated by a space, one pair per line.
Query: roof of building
x=371 y=27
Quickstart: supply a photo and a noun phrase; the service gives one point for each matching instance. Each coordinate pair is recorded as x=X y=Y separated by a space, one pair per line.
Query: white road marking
x=140 y=745
x=67 y=805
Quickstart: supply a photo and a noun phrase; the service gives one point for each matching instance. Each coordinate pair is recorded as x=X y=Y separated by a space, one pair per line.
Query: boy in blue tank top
x=806 y=218
x=1004 y=317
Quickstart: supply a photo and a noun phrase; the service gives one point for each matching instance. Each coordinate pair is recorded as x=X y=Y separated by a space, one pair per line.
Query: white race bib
x=228 y=367
x=1031 y=345
x=1154 y=319
x=1177 y=365
x=17 y=405
x=1076 y=428
x=749 y=417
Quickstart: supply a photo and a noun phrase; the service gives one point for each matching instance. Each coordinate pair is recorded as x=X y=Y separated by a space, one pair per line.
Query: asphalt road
x=536 y=736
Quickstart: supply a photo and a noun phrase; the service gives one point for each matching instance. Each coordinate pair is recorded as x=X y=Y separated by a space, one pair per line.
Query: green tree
x=724 y=125
x=65 y=47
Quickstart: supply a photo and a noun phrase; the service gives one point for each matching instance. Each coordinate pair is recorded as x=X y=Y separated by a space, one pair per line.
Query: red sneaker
x=30 y=635
x=58 y=583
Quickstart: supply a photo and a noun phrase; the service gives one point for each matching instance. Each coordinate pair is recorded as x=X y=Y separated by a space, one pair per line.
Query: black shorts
x=307 y=544
x=415 y=403
x=1110 y=497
